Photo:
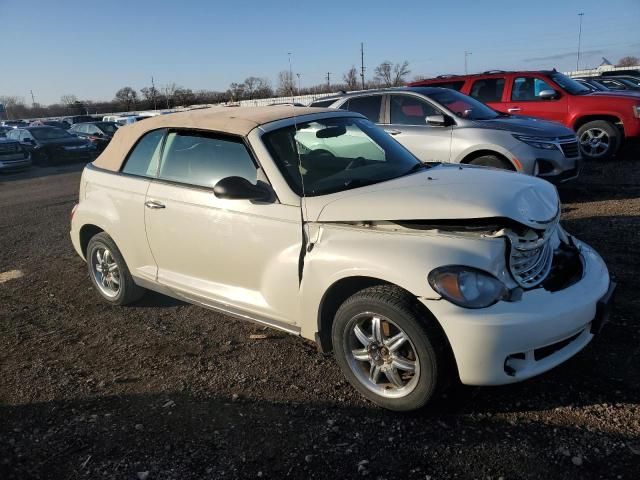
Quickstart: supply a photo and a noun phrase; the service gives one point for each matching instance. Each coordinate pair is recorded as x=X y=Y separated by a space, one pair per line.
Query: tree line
x=171 y=95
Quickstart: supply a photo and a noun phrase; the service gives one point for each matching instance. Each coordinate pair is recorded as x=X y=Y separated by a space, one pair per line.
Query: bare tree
x=257 y=87
x=351 y=78
x=236 y=91
x=286 y=85
x=68 y=100
x=168 y=91
x=151 y=95
x=628 y=61
x=390 y=75
x=127 y=96
x=183 y=96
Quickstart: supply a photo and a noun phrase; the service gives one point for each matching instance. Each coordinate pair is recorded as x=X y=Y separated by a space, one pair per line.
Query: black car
x=51 y=145
x=98 y=133
x=12 y=156
x=77 y=119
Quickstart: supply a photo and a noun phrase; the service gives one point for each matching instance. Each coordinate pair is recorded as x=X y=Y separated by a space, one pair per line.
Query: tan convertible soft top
x=232 y=120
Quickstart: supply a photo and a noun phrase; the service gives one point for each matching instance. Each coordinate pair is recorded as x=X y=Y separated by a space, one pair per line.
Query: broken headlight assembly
x=468 y=287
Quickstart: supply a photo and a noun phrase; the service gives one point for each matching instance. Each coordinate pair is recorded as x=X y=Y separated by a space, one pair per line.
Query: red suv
x=602 y=119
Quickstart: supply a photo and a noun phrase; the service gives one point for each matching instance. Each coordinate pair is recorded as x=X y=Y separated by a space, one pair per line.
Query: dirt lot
x=168 y=390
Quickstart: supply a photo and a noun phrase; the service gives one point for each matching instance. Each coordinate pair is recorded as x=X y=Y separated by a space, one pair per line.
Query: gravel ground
x=166 y=390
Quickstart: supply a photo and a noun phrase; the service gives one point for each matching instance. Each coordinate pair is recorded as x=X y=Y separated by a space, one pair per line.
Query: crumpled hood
x=444 y=192
x=527 y=126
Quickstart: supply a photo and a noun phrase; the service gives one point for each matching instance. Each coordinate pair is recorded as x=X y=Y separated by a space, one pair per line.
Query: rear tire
x=398 y=364
x=599 y=140
x=492 y=161
x=109 y=272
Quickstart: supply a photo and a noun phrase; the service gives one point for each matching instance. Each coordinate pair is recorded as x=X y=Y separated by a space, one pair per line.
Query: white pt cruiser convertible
x=318 y=223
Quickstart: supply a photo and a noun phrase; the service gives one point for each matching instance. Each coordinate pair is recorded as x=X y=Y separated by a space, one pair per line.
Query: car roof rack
x=447 y=75
x=493 y=71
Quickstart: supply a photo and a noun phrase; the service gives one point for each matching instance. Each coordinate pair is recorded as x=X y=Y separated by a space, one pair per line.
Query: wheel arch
x=580 y=121
x=87 y=232
x=481 y=153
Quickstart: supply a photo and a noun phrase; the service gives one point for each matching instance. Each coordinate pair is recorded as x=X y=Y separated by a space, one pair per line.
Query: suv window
x=528 y=88
x=367 y=106
x=144 y=158
x=457 y=85
x=410 y=110
x=200 y=159
x=13 y=134
x=488 y=89
x=322 y=103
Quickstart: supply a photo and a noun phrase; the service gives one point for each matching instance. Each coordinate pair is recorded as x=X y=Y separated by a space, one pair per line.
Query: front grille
x=12 y=147
x=570 y=150
x=531 y=256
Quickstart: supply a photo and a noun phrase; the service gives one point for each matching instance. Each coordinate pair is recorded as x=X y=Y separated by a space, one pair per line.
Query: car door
x=489 y=91
x=238 y=255
x=406 y=121
x=524 y=98
x=26 y=140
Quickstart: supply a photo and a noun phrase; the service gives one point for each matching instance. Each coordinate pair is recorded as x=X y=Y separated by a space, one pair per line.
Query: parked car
x=98 y=133
x=601 y=120
x=14 y=123
x=12 y=156
x=130 y=119
x=610 y=83
x=49 y=123
x=442 y=125
x=411 y=273
x=51 y=145
x=4 y=130
x=77 y=119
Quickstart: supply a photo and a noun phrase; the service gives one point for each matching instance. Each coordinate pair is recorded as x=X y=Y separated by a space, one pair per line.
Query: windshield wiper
x=416 y=167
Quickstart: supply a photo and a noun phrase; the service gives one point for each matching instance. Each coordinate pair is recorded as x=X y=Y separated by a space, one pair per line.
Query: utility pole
x=466 y=54
x=33 y=100
x=153 y=90
x=290 y=82
x=328 y=81
x=579 y=40
x=362 y=63
x=298 y=75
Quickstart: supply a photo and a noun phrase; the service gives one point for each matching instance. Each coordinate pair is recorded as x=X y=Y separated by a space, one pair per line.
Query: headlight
x=467 y=287
x=537 y=142
x=636 y=111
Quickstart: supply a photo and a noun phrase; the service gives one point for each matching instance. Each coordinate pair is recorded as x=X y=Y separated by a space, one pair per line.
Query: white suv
x=318 y=223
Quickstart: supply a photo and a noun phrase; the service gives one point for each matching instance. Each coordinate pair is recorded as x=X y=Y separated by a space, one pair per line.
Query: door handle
x=514 y=109
x=393 y=132
x=153 y=204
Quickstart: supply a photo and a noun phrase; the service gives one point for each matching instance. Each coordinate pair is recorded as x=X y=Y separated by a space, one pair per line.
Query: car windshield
x=463 y=106
x=569 y=84
x=338 y=153
x=49 y=133
x=107 y=127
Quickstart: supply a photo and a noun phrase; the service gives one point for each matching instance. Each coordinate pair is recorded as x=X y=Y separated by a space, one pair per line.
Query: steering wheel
x=356 y=162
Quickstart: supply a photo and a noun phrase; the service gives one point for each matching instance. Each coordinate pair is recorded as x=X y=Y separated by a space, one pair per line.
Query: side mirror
x=28 y=140
x=238 y=188
x=439 y=120
x=548 y=94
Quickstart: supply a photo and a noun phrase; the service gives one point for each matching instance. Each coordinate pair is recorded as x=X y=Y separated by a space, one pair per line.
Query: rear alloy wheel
x=599 y=140
x=109 y=272
x=492 y=161
x=387 y=348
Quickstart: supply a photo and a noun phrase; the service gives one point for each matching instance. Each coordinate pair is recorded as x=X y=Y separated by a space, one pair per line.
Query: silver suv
x=443 y=125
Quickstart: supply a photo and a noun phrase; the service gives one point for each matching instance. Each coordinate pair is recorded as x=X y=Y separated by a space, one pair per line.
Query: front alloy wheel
x=381 y=355
x=389 y=348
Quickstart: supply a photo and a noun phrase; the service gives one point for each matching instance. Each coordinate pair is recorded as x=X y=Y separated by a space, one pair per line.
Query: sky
x=91 y=49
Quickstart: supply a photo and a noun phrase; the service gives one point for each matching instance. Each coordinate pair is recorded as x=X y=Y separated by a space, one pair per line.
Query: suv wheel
x=492 y=161
x=387 y=349
x=109 y=272
x=599 y=140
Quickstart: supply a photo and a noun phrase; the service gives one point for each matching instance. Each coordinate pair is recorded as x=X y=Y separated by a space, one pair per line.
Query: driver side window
x=526 y=89
x=410 y=110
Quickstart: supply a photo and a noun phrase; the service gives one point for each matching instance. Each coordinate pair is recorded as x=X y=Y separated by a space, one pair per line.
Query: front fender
x=403 y=257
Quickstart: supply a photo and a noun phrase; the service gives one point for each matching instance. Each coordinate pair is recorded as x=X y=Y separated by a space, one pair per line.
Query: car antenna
x=303 y=201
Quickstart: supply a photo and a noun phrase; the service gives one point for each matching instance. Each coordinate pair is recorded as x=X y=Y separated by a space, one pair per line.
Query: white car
x=413 y=274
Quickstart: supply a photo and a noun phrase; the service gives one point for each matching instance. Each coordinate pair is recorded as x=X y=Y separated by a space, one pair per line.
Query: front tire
x=109 y=272
x=388 y=349
x=599 y=140
x=492 y=161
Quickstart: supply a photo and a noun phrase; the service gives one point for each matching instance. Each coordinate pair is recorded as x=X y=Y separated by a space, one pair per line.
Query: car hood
x=443 y=192
x=527 y=126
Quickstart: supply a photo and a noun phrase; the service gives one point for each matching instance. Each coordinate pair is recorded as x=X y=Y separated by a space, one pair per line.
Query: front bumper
x=551 y=165
x=512 y=341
